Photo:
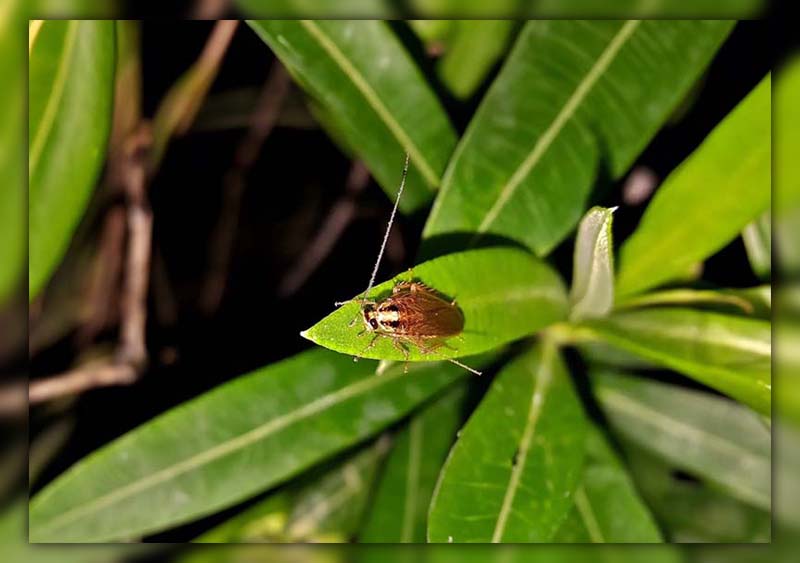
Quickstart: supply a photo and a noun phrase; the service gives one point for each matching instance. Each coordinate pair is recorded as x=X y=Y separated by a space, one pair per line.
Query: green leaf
x=572 y=97
x=473 y=48
x=708 y=436
x=511 y=474
x=325 y=506
x=607 y=506
x=399 y=512
x=503 y=293
x=70 y=92
x=336 y=9
x=228 y=445
x=757 y=237
x=592 y=293
x=13 y=236
x=369 y=87
x=727 y=178
x=756 y=301
x=691 y=511
x=730 y=354
x=787 y=137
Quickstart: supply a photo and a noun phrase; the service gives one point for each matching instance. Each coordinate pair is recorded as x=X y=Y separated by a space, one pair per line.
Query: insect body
x=413 y=313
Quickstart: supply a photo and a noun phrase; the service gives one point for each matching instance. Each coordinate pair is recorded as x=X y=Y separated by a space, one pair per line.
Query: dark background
x=299 y=175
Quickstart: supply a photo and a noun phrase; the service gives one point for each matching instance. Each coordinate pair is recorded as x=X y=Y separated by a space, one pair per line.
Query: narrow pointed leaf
x=70 y=92
x=323 y=506
x=399 y=512
x=728 y=353
x=503 y=293
x=371 y=91
x=607 y=507
x=592 y=293
x=228 y=445
x=711 y=437
x=755 y=301
x=511 y=474
x=568 y=101
x=727 y=178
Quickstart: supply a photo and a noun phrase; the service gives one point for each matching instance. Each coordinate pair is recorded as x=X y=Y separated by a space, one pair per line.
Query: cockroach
x=414 y=313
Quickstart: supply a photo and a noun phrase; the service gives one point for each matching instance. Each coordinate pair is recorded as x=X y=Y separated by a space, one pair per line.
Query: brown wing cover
x=426 y=315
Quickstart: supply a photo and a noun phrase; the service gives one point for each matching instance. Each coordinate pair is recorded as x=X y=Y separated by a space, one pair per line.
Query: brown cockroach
x=413 y=314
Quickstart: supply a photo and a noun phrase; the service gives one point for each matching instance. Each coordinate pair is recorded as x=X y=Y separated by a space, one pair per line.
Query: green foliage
x=567 y=102
x=372 y=94
x=503 y=293
x=338 y=450
x=512 y=473
x=70 y=89
x=734 y=159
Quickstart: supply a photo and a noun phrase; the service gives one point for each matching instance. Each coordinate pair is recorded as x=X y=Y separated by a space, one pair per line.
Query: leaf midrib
x=54 y=101
x=348 y=68
x=544 y=377
x=680 y=429
x=223 y=449
x=562 y=118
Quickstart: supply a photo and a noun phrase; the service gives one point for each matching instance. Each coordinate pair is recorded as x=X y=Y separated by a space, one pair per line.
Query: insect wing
x=427 y=315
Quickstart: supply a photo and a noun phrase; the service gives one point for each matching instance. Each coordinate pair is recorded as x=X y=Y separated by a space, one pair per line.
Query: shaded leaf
x=711 y=437
x=727 y=178
x=755 y=301
x=592 y=292
x=70 y=90
x=246 y=436
x=607 y=507
x=325 y=506
x=730 y=354
x=373 y=94
x=568 y=101
x=757 y=237
x=473 y=48
x=503 y=293
x=692 y=511
x=786 y=131
x=511 y=474
x=399 y=511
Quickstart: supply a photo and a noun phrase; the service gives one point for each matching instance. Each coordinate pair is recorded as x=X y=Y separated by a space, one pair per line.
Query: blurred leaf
x=757 y=237
x=180 y=105
x=510 y=476
x=727 y=178
x=246 y=436
x=755 y=301
x=399 y=511
x=592 y=293
x=374 y=96
x=730 y=9
x=787 y=137
x=432 y=32
x=607 y=506
x=728 y=353
x=473 y=48
x=70 y=86
x=333 y=9
x=13 y=237
x=572 y=97
x=326 y=505
x=708 y=436
x=694 y=511
x=785 y=470
x=504 y=294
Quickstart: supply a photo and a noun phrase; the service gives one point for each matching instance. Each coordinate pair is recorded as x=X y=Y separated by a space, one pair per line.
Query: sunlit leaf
x=757 y=237
x=572 y=97
x=711 y=437
x=373 y=94
x=70 y=91
x=592 y=292
x=246 y=436
x=511 y=475
x=727 y=178
x=503 y=294
x=728 y=353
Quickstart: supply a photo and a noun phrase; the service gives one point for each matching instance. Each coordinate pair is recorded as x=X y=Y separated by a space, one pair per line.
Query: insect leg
x=367 y=347
x=399 y=345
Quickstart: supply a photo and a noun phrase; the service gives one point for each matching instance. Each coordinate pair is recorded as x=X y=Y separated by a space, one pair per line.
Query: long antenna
x=385 y=235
